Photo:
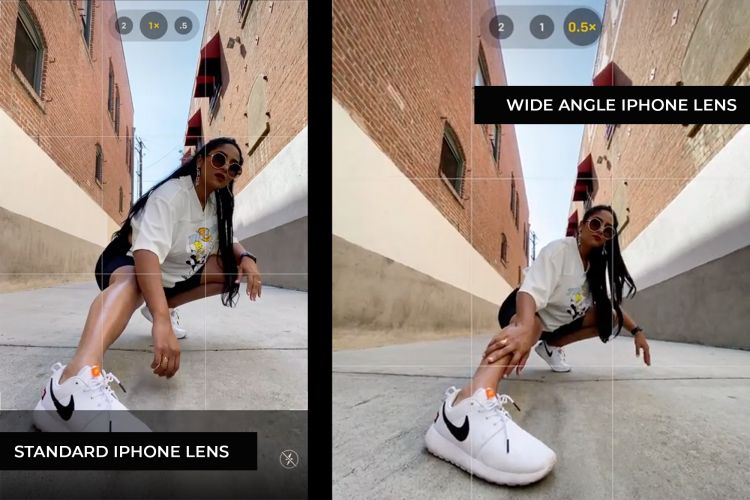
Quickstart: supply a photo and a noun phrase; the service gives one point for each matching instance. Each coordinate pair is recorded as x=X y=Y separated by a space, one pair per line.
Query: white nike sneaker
x=554 y=356
x=179 y=331
x=83 y=403
x=480 y=437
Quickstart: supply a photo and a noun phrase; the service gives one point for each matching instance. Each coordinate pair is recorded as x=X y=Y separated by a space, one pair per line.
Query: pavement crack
x=367 y=400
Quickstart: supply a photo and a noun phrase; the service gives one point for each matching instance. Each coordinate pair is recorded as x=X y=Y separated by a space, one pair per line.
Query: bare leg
x=108 y=316
x=488 y=374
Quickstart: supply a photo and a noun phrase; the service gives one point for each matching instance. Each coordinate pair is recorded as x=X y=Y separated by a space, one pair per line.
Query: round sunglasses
x=595 y=225
x=219 y=160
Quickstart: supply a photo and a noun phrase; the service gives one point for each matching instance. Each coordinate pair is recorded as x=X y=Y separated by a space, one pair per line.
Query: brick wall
x=280 y=53
x=656 y=161
x=71 y=115
x=402 y=69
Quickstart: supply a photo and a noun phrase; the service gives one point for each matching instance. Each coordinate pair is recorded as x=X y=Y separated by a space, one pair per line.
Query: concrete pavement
x=676 y=430
x=251 y=357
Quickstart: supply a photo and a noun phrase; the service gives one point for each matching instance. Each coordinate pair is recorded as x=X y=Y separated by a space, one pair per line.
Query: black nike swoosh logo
x=65 y=412
x=549 y=353
x=460 y=433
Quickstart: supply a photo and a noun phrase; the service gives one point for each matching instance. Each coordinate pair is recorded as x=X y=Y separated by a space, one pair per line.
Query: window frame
x=504 y=249
x=111 y=91
x=117 y=110
x=86 y=19
x=496 y=143
x=449 y=137
x=26 y=18
x=99 y=166
x=213 y=101
x=482 y=69
x=127 y=147
x=243 y=6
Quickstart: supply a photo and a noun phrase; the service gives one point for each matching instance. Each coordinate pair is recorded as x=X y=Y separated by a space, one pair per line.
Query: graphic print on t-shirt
x=580 y=301
x=200 y=244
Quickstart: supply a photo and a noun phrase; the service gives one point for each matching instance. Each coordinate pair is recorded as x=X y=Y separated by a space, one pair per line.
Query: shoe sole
x=445 y=450
x=45 y=422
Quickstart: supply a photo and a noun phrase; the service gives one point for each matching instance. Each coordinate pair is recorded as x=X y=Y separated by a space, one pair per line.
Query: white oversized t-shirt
x=175 y=227
x=557 y=282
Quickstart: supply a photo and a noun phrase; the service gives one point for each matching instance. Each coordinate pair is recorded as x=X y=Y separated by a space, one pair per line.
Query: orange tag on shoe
x=95 y=371
x=490 y=393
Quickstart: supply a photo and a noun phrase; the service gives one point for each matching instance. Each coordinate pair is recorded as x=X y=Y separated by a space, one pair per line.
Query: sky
x=550 y=150
x=161 y=76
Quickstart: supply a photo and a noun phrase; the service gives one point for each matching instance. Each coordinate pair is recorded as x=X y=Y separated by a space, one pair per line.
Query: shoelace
x=561 y=353
x=499 y=414
x=101 y=389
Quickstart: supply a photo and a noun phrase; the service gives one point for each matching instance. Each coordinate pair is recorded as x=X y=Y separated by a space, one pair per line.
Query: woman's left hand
x=248 y=268
x=640 y=343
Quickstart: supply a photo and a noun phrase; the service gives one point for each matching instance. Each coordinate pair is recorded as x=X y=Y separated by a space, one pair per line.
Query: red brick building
x=430 y=211
x=680 y=191
x=251 y=84
x=66 y=118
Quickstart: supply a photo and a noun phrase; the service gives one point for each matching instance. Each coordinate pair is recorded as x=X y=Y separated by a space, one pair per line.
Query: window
x=588 y=202
x=526 y=240
x=504 y=249
x=127 y=147
x=122 y=198
x=451 y=160
x=512 y=193
x=111 y=92
x=28 y=49
x=98 y=172
x=242 y=10
x=609 y=131
x=481 y=78
x=117 y=110
x=495 y=141
x=214 y=96
x=86 y=12
x=515 y=213
x=130 y=153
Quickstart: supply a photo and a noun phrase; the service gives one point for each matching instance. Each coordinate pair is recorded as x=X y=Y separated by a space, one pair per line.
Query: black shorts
x=112 y=258
x=508 y=310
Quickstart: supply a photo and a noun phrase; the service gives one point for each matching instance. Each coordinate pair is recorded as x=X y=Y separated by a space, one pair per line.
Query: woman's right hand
x=166 y=348
x=515 y=340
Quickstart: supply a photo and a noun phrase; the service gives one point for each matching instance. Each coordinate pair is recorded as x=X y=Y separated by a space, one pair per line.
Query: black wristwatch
x=636 y=330
x=248 y=254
